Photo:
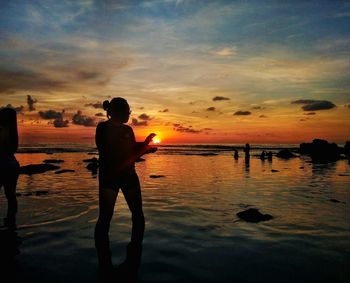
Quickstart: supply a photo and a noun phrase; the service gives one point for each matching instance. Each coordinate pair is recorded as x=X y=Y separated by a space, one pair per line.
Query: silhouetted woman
x=9 y=167
x=118 y=151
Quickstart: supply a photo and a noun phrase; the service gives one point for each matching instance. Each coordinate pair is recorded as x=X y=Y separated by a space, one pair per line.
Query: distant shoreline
x=69 y=148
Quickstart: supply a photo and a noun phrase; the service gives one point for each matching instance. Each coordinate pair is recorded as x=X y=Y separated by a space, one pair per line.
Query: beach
x=191 y=195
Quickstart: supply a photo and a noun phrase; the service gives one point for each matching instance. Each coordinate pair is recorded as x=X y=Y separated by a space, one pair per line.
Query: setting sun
x=156 y=140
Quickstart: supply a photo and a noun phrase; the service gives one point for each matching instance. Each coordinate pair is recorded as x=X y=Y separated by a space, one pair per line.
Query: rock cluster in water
x=322 y=151
x=253 y=215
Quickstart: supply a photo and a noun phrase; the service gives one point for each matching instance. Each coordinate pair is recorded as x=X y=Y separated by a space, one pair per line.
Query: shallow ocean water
x=192 y=232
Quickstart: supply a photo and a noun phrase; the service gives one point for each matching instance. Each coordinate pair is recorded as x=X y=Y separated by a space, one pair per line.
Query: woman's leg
x=107 y=198
x=10 y=184
x=132 y=194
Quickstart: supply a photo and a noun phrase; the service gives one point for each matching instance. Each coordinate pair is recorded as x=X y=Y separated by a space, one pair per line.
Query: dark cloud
x=211 y=109
x=87 y=75
x=257 y=107
x=80 y=119
x=304 y=101
x=141 y=108
x=164 y=111
x=12 y=81
x=183 y=129
x=136 y=122
x=220 y=98
x=60 y=123
x=319 y=105
x=262 y=116
x=144 y=117
x=95 y=105
x=244 y=113
x=50 y=114
x=314 y=105
x=71 y=68
x=310 y=113
x=99 y=114
x=18 y=109
x=31 y=102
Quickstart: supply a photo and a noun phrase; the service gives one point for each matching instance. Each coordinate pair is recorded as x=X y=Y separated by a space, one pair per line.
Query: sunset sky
x=192 y=71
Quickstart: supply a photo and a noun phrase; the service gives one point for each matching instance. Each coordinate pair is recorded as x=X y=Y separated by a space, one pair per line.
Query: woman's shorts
x=125 y=181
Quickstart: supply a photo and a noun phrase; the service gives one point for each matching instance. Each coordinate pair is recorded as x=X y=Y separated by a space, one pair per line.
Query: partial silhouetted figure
x=269 y=156
x=118 y=151
x=263 y=155
x=9 y=167
x=235 y=155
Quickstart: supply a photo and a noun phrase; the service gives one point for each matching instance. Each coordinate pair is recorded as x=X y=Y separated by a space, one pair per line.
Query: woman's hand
x=149 y=138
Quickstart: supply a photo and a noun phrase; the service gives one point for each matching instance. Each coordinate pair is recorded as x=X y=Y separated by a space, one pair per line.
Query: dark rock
x=334 y=200
x=28 y=194
x=321 y=151
x=94 y=159
x=301 y=167
x=285 y=153
x=140 y=159
x=92 y=166
x=156 y=176
x=253 y=215
x=37 y=168
x=305 y=148
x=40 y=193
x=64 y=171
x=53 y=161
x=274 y=170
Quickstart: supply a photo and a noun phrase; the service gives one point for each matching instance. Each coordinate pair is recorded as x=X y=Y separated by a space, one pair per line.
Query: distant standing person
x=118 y=151
x=263 y=155
x=9 y=166
x=235 y=155
x=247 y=150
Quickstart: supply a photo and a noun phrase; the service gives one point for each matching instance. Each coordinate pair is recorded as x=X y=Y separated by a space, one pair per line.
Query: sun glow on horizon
x=156 y=140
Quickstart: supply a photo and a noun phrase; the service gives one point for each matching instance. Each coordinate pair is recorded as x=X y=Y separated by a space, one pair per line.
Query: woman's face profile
x=126 y=116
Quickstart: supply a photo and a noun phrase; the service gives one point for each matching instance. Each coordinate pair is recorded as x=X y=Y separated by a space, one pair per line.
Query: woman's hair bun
x=105 y=105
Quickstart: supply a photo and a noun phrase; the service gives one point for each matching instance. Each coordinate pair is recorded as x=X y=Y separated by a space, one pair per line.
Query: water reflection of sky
x=191 y=228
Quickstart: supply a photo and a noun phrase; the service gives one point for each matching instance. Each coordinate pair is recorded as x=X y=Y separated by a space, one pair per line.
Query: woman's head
x=118 y=108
